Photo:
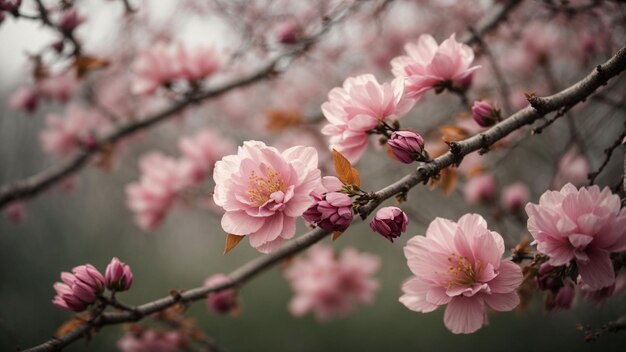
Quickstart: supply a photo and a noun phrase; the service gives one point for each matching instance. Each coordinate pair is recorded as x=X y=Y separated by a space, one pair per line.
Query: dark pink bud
x=69 y=21
x=90 y=276
x=288 y=32
x=546 y=278
x=118 y=276
x=390 y=222
x=332 y=212
x=10 y=5
x=58 y=46
x=223 y=301
x=485 y=114
x=24 y=99
x=15 y=212
x=407 y=146
x=80 y=289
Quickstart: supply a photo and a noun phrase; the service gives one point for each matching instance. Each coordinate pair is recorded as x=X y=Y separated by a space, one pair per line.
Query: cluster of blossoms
x=163 y=65
x=82 y=287
x=331 y=285
x=459 y=264
x=483 y=189
x=332 y=210
x=53 y=88
x=163 y=178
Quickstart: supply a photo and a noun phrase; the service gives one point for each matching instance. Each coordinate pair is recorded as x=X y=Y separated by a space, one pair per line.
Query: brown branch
x=568 y=97
x=490 y=22
x=608 y=152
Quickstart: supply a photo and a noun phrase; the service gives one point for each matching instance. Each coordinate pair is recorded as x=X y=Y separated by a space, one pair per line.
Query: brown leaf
x=279 y=120
x=452 y=133
x=345 y=172
x=231 y=242
x=105 y=160
x=475 y=170
x=447 y=179
x=83 y=63
x=71 y=325
x=336 y=235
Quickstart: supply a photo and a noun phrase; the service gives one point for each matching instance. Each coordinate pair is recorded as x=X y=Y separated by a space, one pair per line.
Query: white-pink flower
x=359 y=106
x=459 y=264
x=429 y=65
x=200 y=153
x=154 y=66
x=151 y=197
x=584 y=225
x=196 y=63
x=263 y=191
x=64 y=134
x=331 y=285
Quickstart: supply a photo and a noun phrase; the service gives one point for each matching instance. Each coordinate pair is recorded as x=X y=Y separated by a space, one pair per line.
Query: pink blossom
x=479 y=189
x=407 y=146
x=152 y=196
x=390 y=222
x=459 y=264
x=601 y=295
x=582 y=225
x=79 y=289
x=24 y=99
x=263 y=191
x=515 y=196
x=118 y=276
x=223 y=301
x=200 y=153
x=64 y=134
x=15 y=212
x=485 y=114
x=329 y=285
x=60 y=87
x=154 y=66
x=196 y=63
x=331 y=212
x=359 y=106
x=151 y=340
x=429 y=65
x=573 y=168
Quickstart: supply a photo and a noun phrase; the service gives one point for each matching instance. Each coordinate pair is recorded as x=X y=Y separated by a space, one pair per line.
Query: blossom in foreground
x=573 y=167
x=429 y=65
x=359 y=106
x=223 y=301
x=263 y=191
x=118 y=276
x=459 y=264
x=151 y=340
x=331 y=285
x=390 y=222
x=583 y=225
x=78 y=289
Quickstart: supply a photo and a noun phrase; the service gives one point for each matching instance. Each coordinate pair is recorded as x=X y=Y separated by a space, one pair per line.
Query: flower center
x=462 y=272
x=261 y=188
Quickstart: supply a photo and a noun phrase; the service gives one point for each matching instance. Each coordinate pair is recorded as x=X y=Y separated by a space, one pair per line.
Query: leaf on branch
x=336 y=235
x=452 y=133
x=105 y=161
x=446 y=181
x=71 y=325
x=84 y=63
x=345 y=172
x=279 y=120
x=231 y=242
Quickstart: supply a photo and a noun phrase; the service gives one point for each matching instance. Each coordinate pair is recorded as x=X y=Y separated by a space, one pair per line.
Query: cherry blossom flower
x=200 y=153
x=64 y=134
x=582 y=225
x=223 y=301
x=332 y=286
x=79 y=289
x=154 y=66
x=459 y=264
x=479 y=189
x=357 y=107
x=515 y=196
x=263 y=191
x=196 y=63
x=572 y=168
x=429 y=65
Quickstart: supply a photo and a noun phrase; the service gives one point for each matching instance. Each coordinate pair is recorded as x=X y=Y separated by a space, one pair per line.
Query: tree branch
x=568 y=97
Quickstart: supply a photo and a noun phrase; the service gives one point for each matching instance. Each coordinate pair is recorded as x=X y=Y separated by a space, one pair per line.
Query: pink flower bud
x=485 y=114
x=223 y=301
x=118 y=276
x=288 y=32
x=10 y=5
x=80 y=289
x=15 y=212
x=407 y=146
x=69 y=21
x=565 y=296
x=390 y=222
x=546 y=278
x=24 y=99
x=332 y=212
x=90 y=276
x=515 y=197
x=479 y=189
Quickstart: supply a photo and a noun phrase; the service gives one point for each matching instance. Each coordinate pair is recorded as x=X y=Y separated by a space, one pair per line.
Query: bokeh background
x=91 y=224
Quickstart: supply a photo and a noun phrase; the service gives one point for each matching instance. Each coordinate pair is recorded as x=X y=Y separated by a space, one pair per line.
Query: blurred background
x=88 y=221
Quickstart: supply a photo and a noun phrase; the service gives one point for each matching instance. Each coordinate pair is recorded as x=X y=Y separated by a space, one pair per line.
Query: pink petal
x=502 y=302
x=239 y=223
x=598 y=271
x=509 y=278
x=414 y=296
x=464 y=315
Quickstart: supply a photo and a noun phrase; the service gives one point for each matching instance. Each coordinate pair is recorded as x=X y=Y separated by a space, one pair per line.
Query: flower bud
x=515 y=197
x=223 y=301
x=15 y=212
x=10 y=5
x=407 y=146
x=90 y=277
x=78 y=289
x=332 y=212
x=390 y=222
x=288 y=32
x=480 y=189
x=545 y=278
x=69 y=21
x=118 y=276
x=485 y=114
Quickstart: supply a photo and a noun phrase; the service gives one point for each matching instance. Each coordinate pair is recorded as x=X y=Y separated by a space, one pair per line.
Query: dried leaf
x=105 y=161
x=336 y=235
x=279 y=120
x=345 y=172
x=231 y=242
x=448 y=180
x=452 y=133
x=83 y=63
x=70 y=325
x=475 y=170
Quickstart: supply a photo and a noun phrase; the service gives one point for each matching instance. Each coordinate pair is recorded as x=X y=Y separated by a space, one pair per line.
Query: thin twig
x=608 y=152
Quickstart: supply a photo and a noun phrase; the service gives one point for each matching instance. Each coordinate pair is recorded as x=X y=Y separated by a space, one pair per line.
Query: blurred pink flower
x=263 y=191
x=151 y=340
x=69 y=21
x=515 y=196
x=200 y=153
x=573 y=168
x=223 y=301
x=59 y=87
x=429 y=65
x=151 y=197
x=329 y=285
x=154 y=66
x=64 y=134
x=584 y=225
x=459 y=264
x=196 y=63
x=359 y=106
x=288 y=31
x=479 y=189
x=24 y=98
x=79 y=289
x=14 y=211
